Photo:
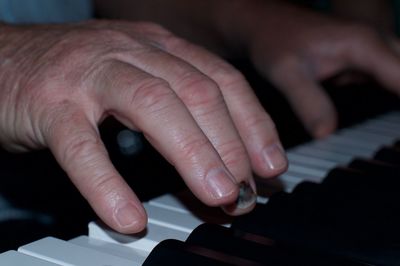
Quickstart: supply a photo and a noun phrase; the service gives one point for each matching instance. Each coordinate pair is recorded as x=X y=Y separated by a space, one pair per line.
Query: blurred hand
x=296 y=48
x=59 y=82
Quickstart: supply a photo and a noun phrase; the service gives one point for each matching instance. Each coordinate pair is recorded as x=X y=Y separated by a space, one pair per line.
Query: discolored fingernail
x=274 y=157
x=247 y=197
x=126 y=215
x=245 y=201
x=220 y=183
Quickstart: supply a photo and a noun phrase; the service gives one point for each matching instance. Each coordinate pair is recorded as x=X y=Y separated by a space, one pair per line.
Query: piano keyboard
x=177 y=216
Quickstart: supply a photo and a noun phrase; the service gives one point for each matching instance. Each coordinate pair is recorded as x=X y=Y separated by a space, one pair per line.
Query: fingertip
x=321 y=130
x=129 y=218
x=270 y=160
x=221 y=187
x=274 y=158
x=322 y=126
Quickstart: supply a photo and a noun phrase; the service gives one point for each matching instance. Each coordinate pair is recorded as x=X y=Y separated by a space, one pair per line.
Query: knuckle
x=258 y=120
x=82 y=146
x=198 y=90
x=156 y=34
x=190 y=147
x=226 y=75
x=255 y=122
x=233 y=153
x=152 y=95
x=175 y=43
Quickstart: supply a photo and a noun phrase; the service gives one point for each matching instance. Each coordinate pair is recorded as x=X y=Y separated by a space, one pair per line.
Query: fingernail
x=126 y=215
x=220 y=183
x=274 y=157
x=247 y=197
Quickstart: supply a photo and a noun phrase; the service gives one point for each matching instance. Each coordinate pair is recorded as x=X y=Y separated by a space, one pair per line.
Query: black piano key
x=177 y=253
x=351 y=214
x=397 y=144
x=375 y=167
x=256 y=248
x=389 y=155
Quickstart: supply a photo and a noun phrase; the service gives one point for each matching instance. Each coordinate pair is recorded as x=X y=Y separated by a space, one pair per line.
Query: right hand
x=59 y=82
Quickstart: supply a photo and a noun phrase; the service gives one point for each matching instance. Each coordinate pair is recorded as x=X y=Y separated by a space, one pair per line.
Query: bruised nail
x=247 y=197
x=274 y=157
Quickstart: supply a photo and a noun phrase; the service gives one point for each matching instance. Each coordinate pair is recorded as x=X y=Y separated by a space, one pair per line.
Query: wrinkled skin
x=59 y=82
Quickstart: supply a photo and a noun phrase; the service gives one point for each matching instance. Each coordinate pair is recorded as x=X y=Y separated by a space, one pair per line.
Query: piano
x=338 y=204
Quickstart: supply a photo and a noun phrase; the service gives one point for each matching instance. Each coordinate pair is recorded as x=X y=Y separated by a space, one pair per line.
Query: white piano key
x=384 y=124
x=373 y=145
x=351 y=142
x=371 y=137
x=14 y=258
x=290 y=178
x=306 y=160
x=296 y=168
x=289 y=182
x=378 y=130
x=393 y=117
x=305 y=177
x=184 y=222
x=341 y=139
x=143 y=242
x=262 y=200
x=391 y=132
x=326 y=155
x=170 y=202
x=185 y=202
x=340 y=149
x=110 y=248
x=67 y=254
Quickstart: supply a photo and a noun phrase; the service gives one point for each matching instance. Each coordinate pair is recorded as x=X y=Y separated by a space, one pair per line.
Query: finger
x=254 y=126
x=377 y=58
x=145 y=102
x=309 y=101
x=77 y=146
x=204 y=100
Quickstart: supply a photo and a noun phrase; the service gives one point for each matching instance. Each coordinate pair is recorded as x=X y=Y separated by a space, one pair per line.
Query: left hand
x=296 y=48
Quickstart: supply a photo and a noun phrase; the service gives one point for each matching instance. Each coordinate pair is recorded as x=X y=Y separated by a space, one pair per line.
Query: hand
x=296 y=48
x=59 y=82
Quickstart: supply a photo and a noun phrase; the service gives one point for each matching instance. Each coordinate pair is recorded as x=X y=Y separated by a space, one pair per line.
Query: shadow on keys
x=354 y=213
x=351 y=218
